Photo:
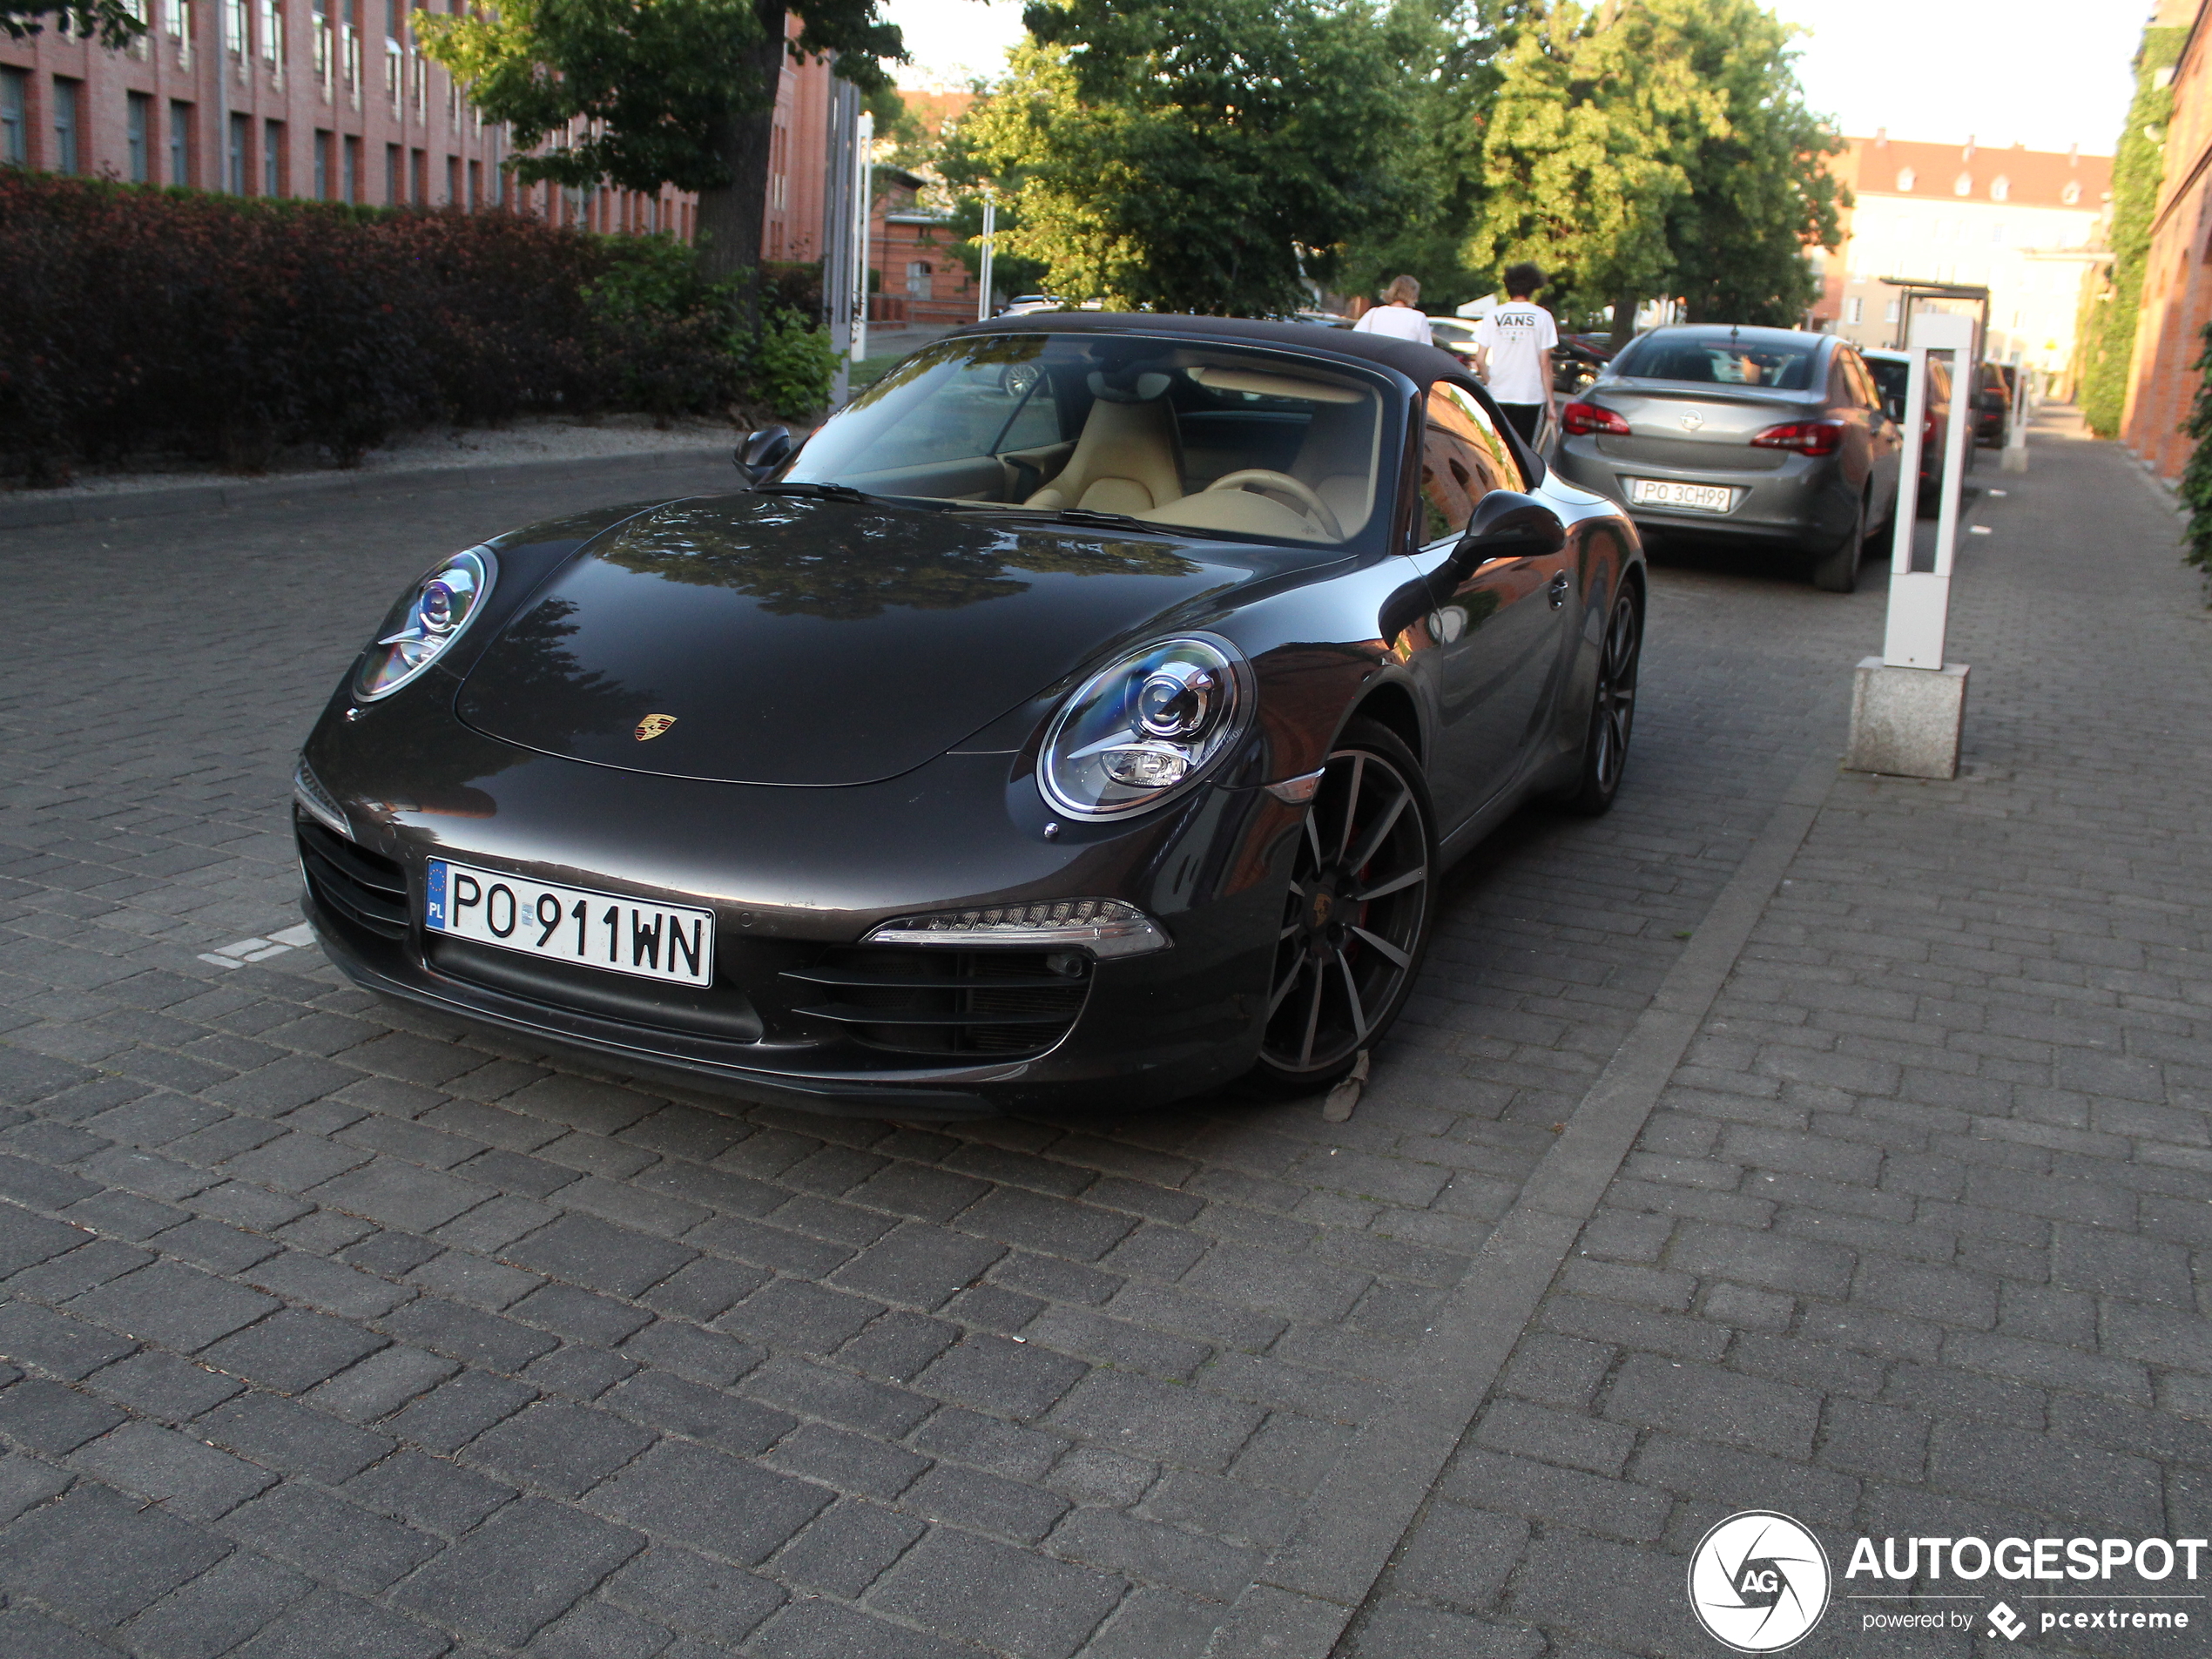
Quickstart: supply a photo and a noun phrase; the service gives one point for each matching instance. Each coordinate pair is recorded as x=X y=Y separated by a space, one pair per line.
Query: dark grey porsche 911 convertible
x=1083 y=717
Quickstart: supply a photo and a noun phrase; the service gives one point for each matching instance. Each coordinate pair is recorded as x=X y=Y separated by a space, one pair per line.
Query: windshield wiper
x=822 y=492
x=1067 y=515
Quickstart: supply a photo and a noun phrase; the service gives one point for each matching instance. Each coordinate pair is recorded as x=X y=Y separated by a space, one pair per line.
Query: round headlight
x=429 y=617
x=1146 y=728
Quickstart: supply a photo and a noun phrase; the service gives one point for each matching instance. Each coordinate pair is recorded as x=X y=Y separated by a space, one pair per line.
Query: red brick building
x=331 y=100
x=2177 y=274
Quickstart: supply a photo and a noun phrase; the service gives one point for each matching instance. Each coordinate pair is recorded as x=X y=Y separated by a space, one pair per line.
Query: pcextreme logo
x=1759 y=1581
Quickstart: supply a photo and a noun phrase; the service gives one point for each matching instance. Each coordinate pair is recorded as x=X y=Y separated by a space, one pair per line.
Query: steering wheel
x=1309 y=504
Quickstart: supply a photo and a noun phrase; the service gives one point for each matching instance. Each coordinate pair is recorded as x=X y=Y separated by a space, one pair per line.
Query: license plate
x=1702 y=498
x=660 y=941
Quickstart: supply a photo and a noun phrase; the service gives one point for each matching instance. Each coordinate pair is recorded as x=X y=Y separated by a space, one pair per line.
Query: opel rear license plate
x=570 y=924
x=1702 y=498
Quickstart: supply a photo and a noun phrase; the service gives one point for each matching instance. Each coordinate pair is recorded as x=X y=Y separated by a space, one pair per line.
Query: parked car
x=1890 y=370
x=1084 y=715
x=1993 y=404
x=1766 y=436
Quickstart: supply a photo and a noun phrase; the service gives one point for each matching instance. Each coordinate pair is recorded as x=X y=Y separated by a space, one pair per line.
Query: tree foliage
x=1449 y=55
x=1195 y=158
x=1657 y=148
x=2107 y=336
x=111 y=21
x=648 y=93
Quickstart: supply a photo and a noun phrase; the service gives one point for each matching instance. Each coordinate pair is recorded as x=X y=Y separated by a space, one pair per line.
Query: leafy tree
x=113 y=21
x=1647 y=147
x=652 y=93
x=2107 y=337
x=1194 y=157
x=1449 y=52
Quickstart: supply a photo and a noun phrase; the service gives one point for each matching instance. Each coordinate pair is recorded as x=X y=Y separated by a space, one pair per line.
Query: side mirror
x=763 y=451
x=1506 y=525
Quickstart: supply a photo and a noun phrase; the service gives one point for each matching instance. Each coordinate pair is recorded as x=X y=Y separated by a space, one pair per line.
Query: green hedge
x=135 y=320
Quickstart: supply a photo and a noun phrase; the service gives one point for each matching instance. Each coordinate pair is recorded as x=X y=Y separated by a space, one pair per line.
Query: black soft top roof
x=1420 y=364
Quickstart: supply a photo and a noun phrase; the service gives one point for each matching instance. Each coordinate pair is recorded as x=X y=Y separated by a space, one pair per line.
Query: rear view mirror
x=763 y=451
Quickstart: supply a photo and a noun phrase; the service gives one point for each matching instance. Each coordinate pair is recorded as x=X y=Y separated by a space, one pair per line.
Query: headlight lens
x=426 y=622
x=1146 y=728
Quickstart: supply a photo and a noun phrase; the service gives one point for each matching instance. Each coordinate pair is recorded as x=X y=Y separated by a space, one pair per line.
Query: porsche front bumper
x=800 y=1010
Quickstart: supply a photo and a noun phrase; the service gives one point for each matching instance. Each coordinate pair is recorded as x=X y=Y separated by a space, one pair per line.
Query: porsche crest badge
x=652 y=725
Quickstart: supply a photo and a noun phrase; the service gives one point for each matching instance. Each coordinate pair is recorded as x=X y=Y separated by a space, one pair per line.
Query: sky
x=2045 y=73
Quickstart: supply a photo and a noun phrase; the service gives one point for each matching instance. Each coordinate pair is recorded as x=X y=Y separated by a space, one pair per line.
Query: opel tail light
x=1578 y=419
x=1806 y=437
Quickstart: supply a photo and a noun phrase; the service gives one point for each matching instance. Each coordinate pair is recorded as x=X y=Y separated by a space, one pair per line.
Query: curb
x=192 y=498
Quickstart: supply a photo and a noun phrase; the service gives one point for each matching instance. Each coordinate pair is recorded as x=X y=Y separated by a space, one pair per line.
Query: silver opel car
x=1763 y=436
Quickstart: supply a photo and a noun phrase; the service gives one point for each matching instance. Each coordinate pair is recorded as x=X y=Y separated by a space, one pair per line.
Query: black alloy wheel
x=1613 y=710
x=1356 y=921
x=1837 y=572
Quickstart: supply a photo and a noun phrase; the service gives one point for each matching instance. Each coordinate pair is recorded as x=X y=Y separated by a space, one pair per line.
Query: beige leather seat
x=1338 y=460
x=1126 y=461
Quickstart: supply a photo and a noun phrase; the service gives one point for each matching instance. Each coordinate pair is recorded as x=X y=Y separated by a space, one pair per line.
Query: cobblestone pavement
x=1915 y=1240
x=333 y=1331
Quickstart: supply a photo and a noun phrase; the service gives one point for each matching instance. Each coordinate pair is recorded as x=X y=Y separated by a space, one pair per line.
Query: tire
x=1613 y=711
x=1837 y=572
x=1357 y=917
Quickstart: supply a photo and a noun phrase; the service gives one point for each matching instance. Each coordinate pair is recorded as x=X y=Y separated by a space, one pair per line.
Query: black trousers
x=1523 y=418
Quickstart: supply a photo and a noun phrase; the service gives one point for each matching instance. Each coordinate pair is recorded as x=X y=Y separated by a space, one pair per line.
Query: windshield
x=1719 y=359
x=1226 y=439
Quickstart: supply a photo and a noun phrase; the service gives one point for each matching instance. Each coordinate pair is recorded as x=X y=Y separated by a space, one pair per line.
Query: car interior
x=1220 y=440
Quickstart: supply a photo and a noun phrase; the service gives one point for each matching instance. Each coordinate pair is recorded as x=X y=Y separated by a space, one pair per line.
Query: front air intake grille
x=937 y=1001
x=362 y=888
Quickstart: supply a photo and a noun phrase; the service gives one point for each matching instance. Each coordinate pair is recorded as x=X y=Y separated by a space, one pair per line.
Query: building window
x=1855 y=310
x=2071 y=194
x=271 y=20
x=235 y=177
x=2000 y=188
x=137 y=117
x=1888 y=311
x=1904 y=178
x=1997 y=233
x=1963 y=185
x=452 y=181
x=476 y=186
x=419 y=177
x=15 y=141
x=323 y=142
x=272 y=158
x=67 y=155
x=180 y=143
x=234 y=21
x=349 y=176
x=918 y=278
x=393 y=176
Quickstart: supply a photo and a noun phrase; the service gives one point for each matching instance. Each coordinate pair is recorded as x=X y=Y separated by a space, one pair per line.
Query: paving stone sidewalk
x=331 y=1329
x=1915 y=1240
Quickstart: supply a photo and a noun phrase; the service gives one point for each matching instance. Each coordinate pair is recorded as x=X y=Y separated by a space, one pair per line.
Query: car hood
x=781 y=640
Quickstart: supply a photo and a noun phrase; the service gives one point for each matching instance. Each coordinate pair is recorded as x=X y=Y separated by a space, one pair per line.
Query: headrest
x=1126 y=386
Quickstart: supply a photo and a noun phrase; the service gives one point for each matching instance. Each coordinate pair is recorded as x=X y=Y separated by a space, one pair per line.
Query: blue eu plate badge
x=435 y=911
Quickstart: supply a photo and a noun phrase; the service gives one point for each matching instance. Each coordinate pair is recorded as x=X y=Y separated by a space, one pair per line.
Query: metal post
x=837 y=232
x=2015 y=455
x=990 y=238
x=1920 y=600
x=863 y=205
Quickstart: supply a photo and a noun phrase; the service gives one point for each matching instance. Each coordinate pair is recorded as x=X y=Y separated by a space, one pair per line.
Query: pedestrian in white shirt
x=1514 y=352
x=1398 y=315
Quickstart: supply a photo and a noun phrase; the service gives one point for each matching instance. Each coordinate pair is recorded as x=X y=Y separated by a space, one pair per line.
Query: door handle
x=1558 y=589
